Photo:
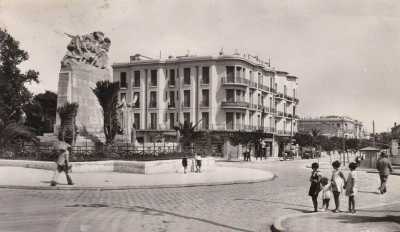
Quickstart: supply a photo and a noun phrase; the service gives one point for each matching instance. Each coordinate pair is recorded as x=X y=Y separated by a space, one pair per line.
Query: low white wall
x=140 y=167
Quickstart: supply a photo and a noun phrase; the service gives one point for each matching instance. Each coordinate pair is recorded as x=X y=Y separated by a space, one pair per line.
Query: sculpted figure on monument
x=90 y=49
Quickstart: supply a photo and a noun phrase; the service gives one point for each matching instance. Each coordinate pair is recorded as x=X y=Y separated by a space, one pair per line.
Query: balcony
x=253 y=106
x=252 y=85
x=280 y=114
x=234 y=105
x=237 y=81
x=264 y=88
x=279 y=96
x=272 y=110
x=283 y=133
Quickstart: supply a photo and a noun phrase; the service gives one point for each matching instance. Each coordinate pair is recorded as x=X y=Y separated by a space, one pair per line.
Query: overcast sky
x=345 y=53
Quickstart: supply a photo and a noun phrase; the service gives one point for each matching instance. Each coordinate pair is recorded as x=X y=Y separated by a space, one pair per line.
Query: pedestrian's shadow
x=48 y=182
x=371 y=192
x=301 y=210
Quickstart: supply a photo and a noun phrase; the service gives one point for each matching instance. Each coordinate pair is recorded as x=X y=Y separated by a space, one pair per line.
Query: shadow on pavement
x=366 y=219
x=273 y=202
x=301 y=210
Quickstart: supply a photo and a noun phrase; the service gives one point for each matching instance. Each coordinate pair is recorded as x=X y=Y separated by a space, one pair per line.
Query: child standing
x=315 y=186
x=338 y=182
x=326 y=193
x=351 y=187
x=184 y=164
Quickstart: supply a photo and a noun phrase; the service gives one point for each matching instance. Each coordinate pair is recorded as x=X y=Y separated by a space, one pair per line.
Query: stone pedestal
x=75 y=84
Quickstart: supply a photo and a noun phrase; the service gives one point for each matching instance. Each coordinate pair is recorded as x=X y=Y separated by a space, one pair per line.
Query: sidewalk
x=19 y=177
x=382 y=218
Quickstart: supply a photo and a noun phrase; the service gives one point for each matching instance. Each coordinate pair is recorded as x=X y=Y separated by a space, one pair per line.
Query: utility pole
x=373 y=133
x=343 y=143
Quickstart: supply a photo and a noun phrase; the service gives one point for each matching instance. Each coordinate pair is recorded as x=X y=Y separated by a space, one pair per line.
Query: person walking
x=315 y=185
x=338 y=182
x=385 y=168
x=351 y=187
x=197 y=157
x=63 y=149
x=184 y=164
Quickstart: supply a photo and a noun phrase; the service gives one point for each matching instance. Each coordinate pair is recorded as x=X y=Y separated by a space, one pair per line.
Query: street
x=240 y=207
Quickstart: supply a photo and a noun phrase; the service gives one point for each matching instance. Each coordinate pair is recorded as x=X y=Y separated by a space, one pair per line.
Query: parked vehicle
x=309 y=153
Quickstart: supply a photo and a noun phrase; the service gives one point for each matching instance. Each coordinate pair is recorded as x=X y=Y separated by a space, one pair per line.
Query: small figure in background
x=315 y=186
x=184 y=164
x=197 y=157
x=351 y=187
x=326 y=193
x=384 y=167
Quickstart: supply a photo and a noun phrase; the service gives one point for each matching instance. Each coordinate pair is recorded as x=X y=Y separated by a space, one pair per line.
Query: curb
x=277 y=226
x=105 y=188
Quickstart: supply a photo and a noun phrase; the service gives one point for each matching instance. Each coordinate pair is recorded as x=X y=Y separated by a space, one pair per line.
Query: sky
x=345 y=53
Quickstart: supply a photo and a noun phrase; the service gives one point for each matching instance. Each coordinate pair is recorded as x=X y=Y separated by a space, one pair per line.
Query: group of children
x=197 y=165
x=333 y=187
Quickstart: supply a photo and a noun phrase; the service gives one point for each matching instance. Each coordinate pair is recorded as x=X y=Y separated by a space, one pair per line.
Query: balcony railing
x=234 y=104
x=252 y=84
x=280 y=114
x=235 y=81
x=264 y=87
x=279 y=96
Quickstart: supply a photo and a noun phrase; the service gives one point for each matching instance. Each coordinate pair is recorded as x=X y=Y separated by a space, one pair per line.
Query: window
x=136 y=122
x=186 y=76
x=136 y=79
x=186 y=117
x=186 y=98
x=284 y=90
x=153 y=99
x=229 y=120
x=205 y=121
x=122 y=80
x=205 y=75
x=171 y=99
x=230 y=74
x=172 y=77
x=122 y=97
x=205 y=97
x=153 y=120
x=153 y=78
x=230 y=95
x=136 y=95
x=171 y=120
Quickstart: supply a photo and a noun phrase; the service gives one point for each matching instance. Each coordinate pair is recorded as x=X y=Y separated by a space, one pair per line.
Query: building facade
x=221 y=93
x=339 y=126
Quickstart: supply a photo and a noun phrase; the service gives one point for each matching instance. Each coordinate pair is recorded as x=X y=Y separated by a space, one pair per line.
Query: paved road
x=243 y=207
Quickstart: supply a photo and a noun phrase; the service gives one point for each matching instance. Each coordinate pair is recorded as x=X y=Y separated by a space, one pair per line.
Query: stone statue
x=127 y=120
x=90 y=49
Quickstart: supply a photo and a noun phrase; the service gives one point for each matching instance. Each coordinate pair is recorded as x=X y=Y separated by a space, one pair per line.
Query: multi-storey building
x=331 y=126
x=222 y=93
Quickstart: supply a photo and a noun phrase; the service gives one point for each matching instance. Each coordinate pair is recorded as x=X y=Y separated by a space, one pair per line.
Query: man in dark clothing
x=385 y=168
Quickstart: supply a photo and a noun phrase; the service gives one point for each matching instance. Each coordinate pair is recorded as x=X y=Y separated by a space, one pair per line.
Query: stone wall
x=139 y=167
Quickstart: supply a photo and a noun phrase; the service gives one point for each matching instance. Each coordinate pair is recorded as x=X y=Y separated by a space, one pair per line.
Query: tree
x=303 y=139
x=13 y=93
x=67 y=114
x=41 y=112
x=107 y=94
x=186 y=133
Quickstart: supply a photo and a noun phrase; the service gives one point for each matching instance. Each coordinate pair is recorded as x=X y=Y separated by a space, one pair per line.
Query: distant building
x=331 y=126
x=226 y=93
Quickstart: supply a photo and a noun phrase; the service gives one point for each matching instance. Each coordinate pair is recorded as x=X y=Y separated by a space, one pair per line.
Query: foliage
x=12 y=132
x=303 y=139
x=187 y=132
x=67 y=114
x=13 y=93
x=41 y=112
x=107 y=94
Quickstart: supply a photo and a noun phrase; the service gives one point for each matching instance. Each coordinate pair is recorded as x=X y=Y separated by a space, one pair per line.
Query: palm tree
x=107 y=94
x=186 y=133
x=67 y=114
